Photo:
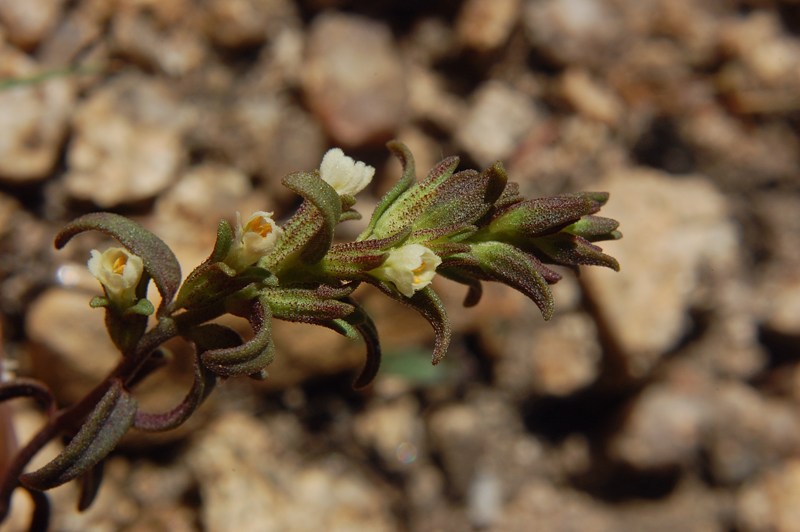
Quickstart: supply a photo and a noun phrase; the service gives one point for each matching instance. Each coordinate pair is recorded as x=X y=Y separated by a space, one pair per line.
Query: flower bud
x=409 y=268
x=345 y=175
x=119 y=271
x=253 y=240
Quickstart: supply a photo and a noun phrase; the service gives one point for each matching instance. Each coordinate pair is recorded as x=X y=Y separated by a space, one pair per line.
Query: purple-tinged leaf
x=104 y=427
x=251 y=356
x=159 y=261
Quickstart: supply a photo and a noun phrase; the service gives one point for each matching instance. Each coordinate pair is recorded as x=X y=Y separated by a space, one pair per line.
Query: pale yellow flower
x=252 y=240
x=409 y=268
x=119 y=271
x=344 y=174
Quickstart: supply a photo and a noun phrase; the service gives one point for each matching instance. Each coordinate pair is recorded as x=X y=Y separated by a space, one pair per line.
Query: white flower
x=253 y=240
x=119 y=271
x=344 y=174
x=409 y=268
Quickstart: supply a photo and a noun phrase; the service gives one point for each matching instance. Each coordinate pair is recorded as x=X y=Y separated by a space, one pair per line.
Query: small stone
x=393 y=430
x=70 y=348
x=260 y=482
x=175 y=51
x=127 y=143
x=428 y=100
x=675 y=230
x=575 y=31
x=33 y=118
x=498 y=119
x=354 y=79
x=485 y=25
x=770 y=502
x=663 y=430
x=750 y=433
x=590 y=97
x=541 y=506
x=243 y=23
x=27 y=23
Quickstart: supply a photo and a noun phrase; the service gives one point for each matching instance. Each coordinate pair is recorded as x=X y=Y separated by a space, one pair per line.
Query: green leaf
x=223 y=243
x=537 y=217
x=305 y=305
x=408 y=178
x=595 y=228
x=213 y=281
x=250 y=357
x=571 y=250
x=414 y=202
x=100 y=433
x=159 y=261
x=509 y=265
x=428 y=304
x=366 y=329
x=327 y=204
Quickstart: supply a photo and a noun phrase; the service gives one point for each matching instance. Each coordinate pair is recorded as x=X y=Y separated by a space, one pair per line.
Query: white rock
x=675 y=230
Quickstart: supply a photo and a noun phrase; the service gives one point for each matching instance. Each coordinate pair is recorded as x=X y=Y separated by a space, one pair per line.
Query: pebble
x=677 y=233
x=127 y=143
x=770 y=502
x=484 y=25
x=590 y=97
x=394 y=430
x=70 y=348
x=496 y=122
x=575 y=31
x=174 y=49
x=33 y=119
x=354 y=79
x=261 y=483
x=663 y=429
x=247 y=23
x=27 y=23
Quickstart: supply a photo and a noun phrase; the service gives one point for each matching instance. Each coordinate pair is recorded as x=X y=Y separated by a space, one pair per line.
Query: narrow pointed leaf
x=89 y=486
x=159 y=261
x=204 y=382
x=365 y=327
x=251 y=356
x=509 y=265
x=571 y=250
x=104 y=427
x=408 y=178
x=327 y=203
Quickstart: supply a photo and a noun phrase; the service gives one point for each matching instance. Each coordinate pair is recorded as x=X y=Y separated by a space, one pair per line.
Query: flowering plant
x=467 y=226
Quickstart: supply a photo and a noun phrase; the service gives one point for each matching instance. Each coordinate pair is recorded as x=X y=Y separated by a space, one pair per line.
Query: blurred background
x=663 y=397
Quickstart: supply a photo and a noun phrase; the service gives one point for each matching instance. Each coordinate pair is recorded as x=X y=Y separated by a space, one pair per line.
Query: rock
x=172 y=47
x=481 y=440
x=252 y=478
x=562 y=357
x=127 y=143
x=590 y=97
x=485 y=25
x=243 y=23
x=393 y=430
x=70 y=347
x=678 y=238
x=663 y=429
x=552 y=508
x=770 y=502
x=33 y=118
x=575 y=31
x=280 y=137
x=428 y=100
x=354 y=80
x=496 y=122
x=751 y=433
x=27 y=23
